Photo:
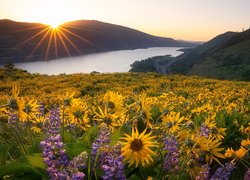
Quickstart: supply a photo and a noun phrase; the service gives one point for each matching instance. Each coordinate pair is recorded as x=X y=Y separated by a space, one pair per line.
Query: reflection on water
x=113 y=61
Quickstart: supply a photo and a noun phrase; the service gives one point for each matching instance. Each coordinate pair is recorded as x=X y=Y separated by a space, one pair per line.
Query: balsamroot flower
x=136 y=148
x=229 y=153
x=78 y=114
x=113 y=100
x=245 y=142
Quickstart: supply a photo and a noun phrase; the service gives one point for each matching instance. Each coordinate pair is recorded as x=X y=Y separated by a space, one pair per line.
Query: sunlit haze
x=197 y=20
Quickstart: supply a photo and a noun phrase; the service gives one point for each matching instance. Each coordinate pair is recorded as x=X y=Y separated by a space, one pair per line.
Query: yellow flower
x=229 y=153
x=213 y=150
x=3 y=110
x=245 y=142
x=240 y=153
x=247 y=130
x=38 y=124
x=112 y=120
x=30 y=108
x=15 y=91
x=113 y=100
x=136 y=149
x=78 y=114
x=203 y=145
x=16 y=106
x=144 y=107
x=172 y=121
x=67 y=98
x=216 y=132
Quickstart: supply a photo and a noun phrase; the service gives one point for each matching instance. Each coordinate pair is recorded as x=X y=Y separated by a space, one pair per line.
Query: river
x=106 y=62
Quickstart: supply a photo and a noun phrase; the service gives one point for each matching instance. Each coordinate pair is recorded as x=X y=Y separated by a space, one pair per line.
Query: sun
x=54 y=22
x=54 y=25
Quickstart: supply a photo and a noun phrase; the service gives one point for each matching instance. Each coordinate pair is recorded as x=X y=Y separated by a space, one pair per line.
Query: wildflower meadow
x=123 y=126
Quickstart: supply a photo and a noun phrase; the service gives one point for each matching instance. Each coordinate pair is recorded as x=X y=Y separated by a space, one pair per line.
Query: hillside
x=184 y=62
x=231 y=60
x=226 y=56
x=20 y=42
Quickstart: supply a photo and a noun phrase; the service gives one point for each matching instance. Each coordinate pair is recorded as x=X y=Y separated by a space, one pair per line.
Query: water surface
x=113 y=61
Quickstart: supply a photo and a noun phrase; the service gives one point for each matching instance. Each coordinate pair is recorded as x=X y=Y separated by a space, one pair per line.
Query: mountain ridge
x=226 y=56
x=80 y=37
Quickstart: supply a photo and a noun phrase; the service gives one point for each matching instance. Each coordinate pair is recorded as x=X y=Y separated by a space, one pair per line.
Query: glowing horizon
x=194 y=20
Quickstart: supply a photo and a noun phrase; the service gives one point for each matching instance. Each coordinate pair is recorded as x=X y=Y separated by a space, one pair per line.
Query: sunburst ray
x=70 y=42
x=38 y=44
x=63 y=43
x=49 y=43
x=51 y=40
x=82 y=38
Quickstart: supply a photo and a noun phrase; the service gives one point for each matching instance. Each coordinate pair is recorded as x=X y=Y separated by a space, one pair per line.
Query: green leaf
x=90 y=135
x=3 y=155
x=134 y=177
x=150 y=170
x=116 y=135
x=67 y=138
x=36 y=160
x=74 y=149
x=20 y=170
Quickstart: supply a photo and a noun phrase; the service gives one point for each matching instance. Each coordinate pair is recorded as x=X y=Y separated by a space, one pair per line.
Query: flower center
x=108 y=119
x=111 y=105
x=136 y=145
x=13 y=104
x=27 y=108
x=78 y=114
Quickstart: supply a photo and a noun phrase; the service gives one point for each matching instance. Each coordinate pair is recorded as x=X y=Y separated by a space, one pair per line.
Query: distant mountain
x=185 y=61
x=21 y=41
x=226 y=56
x=228 y=60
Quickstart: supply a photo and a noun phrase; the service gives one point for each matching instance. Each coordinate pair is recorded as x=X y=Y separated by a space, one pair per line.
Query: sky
x=196 y=20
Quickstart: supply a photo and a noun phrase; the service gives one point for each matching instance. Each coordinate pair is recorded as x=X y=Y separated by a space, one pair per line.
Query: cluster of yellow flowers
x=203 y=115
x=243 y=150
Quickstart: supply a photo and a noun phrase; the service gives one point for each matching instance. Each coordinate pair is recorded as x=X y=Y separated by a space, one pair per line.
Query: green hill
x=226 y=56
x=19 y=39
x=229 y=61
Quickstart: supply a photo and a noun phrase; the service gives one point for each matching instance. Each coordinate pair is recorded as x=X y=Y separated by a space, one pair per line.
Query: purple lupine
x=223 y=172
x=112 y=164
x=41 y=109
x=102 y=139
x=79 y=162
x=78 y=176
x=204 y=174
x=53 y=153
x=12 y=119
x=204 y=130
x=171 y=158
x=247 y=175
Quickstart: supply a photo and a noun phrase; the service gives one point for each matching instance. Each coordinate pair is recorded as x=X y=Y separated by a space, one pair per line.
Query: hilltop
x=19 y=39
x=226 y=56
